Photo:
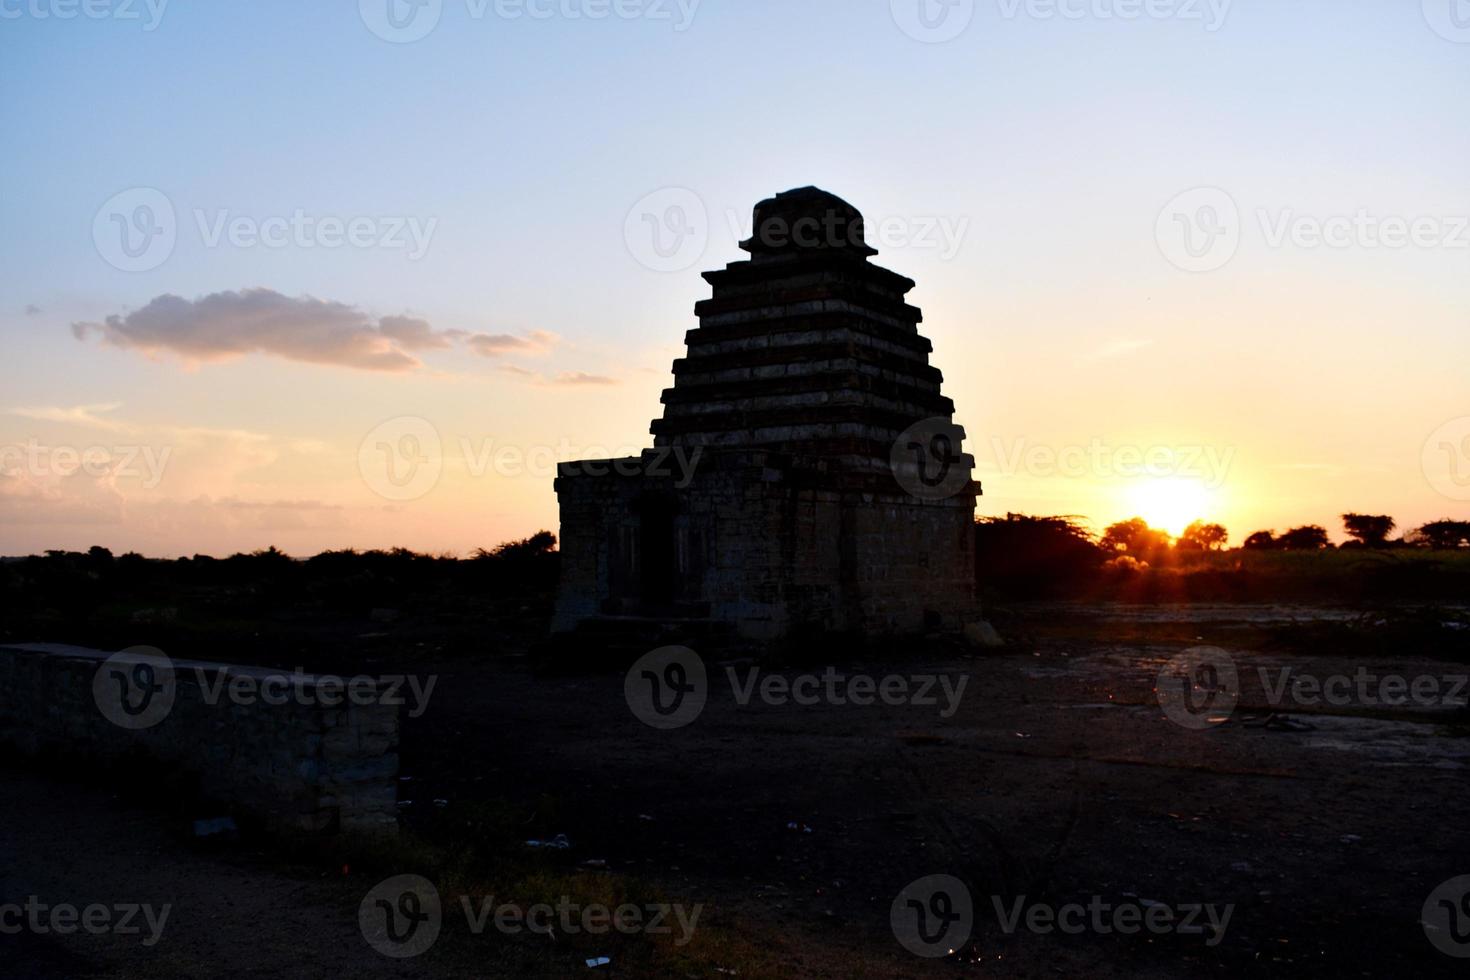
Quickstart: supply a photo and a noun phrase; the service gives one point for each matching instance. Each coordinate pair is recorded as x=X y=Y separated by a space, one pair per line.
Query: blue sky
x=1053 y=142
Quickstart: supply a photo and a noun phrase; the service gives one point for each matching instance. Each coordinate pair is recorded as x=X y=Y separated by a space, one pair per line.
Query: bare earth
x=1058 y=778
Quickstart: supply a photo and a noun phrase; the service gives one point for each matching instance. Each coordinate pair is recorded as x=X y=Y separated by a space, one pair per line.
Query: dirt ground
x=1058 y=777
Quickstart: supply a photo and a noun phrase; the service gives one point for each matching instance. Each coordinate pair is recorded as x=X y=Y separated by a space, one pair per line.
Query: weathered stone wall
x=775 y=544
x=320 y=762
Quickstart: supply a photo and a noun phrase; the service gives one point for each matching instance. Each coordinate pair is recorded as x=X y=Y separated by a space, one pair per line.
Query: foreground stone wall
x=317 y=762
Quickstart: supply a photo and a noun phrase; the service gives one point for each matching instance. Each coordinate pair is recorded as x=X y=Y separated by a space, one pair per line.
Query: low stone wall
x=301 y=754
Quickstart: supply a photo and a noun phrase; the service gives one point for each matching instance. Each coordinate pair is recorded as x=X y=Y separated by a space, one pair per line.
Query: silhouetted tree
x=1372 y=530
x=1135 y=538
x=1260 y=541
x=1442 y=535
x=1310 y=537
x=1034 y=556
x=1200 y=536
x=540 y=543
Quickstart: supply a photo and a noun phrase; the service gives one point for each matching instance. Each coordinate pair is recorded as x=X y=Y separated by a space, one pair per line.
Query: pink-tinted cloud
x=223 y=326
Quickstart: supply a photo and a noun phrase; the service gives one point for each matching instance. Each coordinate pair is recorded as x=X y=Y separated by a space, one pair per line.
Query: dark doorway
x=659 y=557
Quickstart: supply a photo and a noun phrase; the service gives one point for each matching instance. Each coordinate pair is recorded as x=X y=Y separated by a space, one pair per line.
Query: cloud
x=76 y=498
x=222 y=326
x=87 y=415
x=565 y=378
x=495 y=345
x=582 y=378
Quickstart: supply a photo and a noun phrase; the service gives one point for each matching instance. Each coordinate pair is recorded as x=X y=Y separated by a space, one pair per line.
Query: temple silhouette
x=806 y=476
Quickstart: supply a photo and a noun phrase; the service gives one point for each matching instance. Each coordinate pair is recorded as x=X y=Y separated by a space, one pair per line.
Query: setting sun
x=1172 y=504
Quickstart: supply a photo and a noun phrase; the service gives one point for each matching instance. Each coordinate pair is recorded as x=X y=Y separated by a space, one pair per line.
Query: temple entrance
x=658 y=572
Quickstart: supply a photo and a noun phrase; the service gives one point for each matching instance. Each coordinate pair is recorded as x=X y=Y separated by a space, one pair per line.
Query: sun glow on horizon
x=1172 y=504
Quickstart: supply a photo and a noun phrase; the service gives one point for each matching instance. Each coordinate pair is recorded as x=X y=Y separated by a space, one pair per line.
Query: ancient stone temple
x=806 y=475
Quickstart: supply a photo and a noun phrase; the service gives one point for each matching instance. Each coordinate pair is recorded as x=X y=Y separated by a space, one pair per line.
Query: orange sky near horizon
x=1172 y=268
